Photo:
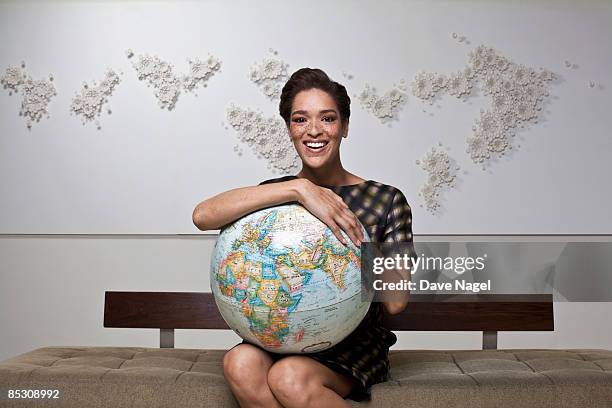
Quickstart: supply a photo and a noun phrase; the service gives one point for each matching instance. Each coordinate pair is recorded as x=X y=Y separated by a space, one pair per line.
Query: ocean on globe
x=283 y=281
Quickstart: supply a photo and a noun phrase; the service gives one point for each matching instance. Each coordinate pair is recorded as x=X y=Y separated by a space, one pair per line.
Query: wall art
x=441 y=174
x=267 y=137
x=89 y=101
x=387 y=106
x=517 y=95
x=35 y=93
x=167 y=85
x=269 y=75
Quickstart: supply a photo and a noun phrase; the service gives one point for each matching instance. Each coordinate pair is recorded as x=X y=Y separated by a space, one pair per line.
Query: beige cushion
x=151 y=377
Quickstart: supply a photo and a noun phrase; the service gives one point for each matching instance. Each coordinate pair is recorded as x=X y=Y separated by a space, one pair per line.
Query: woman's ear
x=345 y=129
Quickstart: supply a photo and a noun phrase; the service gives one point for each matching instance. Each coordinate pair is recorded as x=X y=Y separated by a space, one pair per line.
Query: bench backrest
x=487 y=313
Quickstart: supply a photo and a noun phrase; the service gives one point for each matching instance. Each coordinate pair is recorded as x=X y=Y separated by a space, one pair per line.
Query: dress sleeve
x=398 y=226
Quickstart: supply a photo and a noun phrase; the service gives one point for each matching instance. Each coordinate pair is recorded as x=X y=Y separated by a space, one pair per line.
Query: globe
x=283 y=281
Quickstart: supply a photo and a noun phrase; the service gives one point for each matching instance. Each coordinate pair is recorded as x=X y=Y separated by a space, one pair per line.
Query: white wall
x=146 y=168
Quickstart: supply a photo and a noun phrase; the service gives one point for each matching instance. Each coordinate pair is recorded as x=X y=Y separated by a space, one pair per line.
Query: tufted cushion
x=149 y=377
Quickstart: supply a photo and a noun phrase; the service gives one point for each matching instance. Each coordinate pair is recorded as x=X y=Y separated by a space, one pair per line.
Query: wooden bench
x=167 y=376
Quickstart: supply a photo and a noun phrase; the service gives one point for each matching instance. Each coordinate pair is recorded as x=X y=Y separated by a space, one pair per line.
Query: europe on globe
x=283 y=281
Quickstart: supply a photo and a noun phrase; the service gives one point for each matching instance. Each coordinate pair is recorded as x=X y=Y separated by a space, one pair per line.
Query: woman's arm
x=228 y=206
x=322 y=202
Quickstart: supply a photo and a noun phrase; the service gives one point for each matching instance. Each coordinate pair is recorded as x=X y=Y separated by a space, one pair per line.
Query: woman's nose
x=314 y=129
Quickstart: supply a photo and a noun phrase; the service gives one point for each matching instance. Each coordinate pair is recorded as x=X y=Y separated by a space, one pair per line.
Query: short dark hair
x=313 y=78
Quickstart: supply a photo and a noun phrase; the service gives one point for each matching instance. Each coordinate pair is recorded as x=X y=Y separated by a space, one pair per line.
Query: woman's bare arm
x=230 y=205
x=323 y=203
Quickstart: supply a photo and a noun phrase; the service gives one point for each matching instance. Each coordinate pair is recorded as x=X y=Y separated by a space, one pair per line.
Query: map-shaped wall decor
x=268 y=137
x=270 y=76
x=36 y=94
x=517 y=94
x=441 y=173
x=89 y=101
x=387 y=106
x=160 y=75
x=200 y=72
x=12 y=78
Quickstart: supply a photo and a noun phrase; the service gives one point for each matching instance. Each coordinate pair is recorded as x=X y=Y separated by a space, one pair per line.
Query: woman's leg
x=246 y=370
x=300 y=381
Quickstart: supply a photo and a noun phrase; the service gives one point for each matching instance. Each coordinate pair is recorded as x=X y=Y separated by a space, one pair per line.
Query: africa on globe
x=283 y=281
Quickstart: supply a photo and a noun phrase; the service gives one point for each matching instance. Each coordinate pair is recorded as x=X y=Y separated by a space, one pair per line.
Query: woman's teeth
x=316 y=145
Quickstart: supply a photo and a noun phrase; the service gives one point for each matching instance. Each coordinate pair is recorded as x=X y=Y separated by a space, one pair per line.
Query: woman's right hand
x=329 y=207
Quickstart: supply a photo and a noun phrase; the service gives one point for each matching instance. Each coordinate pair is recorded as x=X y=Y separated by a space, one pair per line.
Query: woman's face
x=315 y=127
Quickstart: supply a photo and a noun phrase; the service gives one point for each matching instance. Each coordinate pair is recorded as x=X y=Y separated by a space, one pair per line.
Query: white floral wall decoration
x=269 y=75
x=158 y=74
x=427 y=84
x=167 y=85
x=200 y=72
x=517 y=93
x=89 y=101
x=267 y=137
x=387 y=106
x=36 y=94
x=13 y=77
x=441 y=174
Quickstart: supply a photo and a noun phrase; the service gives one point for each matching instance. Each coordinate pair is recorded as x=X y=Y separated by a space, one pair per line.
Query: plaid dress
x=363 y=355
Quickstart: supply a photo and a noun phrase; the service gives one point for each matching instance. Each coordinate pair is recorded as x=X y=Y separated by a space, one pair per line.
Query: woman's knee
x=245 y=363
x=289 y=381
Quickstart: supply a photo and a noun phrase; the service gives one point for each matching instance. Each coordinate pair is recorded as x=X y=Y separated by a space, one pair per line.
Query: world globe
x=283 y=281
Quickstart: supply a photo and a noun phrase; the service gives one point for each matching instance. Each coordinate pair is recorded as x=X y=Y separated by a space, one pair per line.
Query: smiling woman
x=316 y=111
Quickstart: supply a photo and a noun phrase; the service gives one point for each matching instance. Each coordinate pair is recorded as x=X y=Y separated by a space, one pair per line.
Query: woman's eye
x=299 y=120
x=329 y=118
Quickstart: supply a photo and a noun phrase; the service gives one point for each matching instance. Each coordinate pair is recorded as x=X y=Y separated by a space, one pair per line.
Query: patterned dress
x=363 y=355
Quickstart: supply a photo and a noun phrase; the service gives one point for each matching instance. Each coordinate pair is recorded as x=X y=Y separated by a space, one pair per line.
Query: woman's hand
x=327 y=206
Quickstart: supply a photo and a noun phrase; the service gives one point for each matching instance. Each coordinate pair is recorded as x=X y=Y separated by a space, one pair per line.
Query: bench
x=168 y=377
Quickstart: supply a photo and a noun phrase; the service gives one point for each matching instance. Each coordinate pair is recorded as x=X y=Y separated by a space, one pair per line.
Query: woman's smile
x=316 y=147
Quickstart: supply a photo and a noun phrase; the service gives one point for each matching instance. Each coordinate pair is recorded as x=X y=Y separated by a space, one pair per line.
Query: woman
x=316 y=111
